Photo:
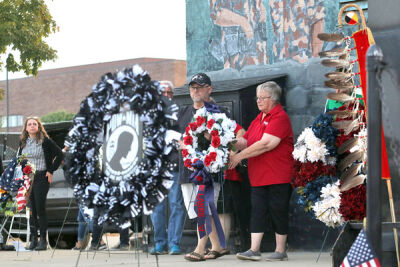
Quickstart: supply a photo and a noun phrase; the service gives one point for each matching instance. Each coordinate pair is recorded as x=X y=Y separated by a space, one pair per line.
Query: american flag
x=7 y=182
x=361 y=253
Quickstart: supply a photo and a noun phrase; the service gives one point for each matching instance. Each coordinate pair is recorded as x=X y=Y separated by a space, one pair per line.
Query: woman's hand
x=241 y=143
x=49 y=177
x=234 y=160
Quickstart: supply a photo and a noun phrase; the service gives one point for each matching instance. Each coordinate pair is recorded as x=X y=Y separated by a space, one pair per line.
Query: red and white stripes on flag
x=361 y=253
x=370 y=263
x=21 y=200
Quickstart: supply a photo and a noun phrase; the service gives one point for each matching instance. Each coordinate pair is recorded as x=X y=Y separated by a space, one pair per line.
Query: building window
x=14 y=120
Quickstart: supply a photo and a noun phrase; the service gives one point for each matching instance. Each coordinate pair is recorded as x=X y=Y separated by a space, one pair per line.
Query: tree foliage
x=56 y=116
x=23 y=26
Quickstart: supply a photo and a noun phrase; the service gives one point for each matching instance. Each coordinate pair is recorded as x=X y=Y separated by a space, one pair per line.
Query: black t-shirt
x=185 y=116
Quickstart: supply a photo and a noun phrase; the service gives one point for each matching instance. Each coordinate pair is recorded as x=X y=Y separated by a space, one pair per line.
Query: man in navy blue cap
x=200 y=90
x=201 y=79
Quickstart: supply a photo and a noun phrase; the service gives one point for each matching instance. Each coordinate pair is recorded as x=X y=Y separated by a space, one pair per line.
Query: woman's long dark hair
x=40 y=135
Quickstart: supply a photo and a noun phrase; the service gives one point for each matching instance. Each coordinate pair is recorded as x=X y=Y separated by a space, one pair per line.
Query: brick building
x=65 y=88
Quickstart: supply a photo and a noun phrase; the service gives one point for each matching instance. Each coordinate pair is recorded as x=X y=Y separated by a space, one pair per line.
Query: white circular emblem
x=121 y=153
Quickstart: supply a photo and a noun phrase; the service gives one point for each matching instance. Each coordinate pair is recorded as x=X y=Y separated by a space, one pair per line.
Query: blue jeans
x=175 y=222
x=82 y=225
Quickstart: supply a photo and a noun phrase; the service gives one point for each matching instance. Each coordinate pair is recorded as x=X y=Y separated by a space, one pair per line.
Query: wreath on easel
x=15 y=185
x=334 y=192
x=129 y=89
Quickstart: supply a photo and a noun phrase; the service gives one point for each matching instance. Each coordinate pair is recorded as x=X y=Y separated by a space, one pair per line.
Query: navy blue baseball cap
x=201 y=79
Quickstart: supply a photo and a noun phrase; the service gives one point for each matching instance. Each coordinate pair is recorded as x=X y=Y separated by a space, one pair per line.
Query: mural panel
x=239 y=33
x=243 y=32
x=296 y=24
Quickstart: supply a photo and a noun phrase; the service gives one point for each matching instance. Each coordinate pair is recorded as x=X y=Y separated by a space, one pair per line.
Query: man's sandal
x=193 y=256
x=213 y=254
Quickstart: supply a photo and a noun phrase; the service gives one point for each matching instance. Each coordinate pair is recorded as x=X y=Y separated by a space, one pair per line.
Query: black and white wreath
x=129 y=89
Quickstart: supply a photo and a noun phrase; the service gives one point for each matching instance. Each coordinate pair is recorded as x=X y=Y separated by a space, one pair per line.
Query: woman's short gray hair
x=167 y=83
x=273 y=88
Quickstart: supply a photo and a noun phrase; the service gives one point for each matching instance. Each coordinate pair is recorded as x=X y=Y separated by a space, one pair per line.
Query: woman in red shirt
x=268 y=146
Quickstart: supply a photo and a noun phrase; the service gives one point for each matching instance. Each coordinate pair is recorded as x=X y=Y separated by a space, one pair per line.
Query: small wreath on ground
x=129 y=89
x=222 y=132
x=15 y=182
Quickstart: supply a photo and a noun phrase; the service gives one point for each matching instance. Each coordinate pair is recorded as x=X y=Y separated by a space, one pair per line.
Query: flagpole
x=8 y=106
x=374 y=224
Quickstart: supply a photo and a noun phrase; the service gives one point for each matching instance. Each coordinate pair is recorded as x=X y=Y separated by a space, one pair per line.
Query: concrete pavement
x=64 y=258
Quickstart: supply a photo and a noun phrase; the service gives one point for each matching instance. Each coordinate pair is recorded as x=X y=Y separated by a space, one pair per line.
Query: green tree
x=56 y=116
x=23 y=26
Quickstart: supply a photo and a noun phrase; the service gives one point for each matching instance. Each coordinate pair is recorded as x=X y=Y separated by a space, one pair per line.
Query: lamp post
x=7 y=119
x=8 y=106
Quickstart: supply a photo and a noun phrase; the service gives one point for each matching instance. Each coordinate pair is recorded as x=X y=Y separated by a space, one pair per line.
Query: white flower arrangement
x=309 y=147
x=327 y=209
x=222 y=132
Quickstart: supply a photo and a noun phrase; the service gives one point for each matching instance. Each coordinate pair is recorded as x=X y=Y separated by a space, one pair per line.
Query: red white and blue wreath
x=206 y=158
x=222 y=132
x=117 y=203
x=17 y=177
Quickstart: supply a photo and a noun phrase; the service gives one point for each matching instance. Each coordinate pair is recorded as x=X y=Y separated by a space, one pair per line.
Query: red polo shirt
x=275 y=166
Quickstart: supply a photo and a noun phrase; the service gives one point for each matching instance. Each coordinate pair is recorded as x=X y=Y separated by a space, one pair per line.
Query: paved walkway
x=66 y=258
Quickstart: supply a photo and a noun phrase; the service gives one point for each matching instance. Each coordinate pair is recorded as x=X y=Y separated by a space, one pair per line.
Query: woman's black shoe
x=33 y=244
x=42 y=245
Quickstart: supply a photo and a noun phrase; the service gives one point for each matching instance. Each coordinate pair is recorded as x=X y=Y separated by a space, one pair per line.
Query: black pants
x=124 y=236
x=37 y=199
x=273 y=201
x=96 y=234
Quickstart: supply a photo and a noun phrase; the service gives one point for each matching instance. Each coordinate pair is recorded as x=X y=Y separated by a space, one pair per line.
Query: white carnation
x=317 y=153
x=299 y=153
x=202 y=112
x=303 y=135
x=312 y=141
x=327 y=210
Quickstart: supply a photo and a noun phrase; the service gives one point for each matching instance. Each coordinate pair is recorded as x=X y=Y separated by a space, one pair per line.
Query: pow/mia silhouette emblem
x=123 y=146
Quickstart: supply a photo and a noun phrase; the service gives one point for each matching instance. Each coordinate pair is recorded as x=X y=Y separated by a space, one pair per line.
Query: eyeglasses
x=168 y=93
x=197 y=87
x=261 y=98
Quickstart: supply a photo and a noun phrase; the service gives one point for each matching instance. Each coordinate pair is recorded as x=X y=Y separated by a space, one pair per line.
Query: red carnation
x=207 y=160
x=187 y=130
x=214 y=133
x=304 y=173
x=213 y=156
x=187 y=163
x=210 y=123
x=185 y=153
x=215 y=141
x=193 y=126
x=199 y=178
x=27 y=169
x=352 y=203
x=200 y=120
x=188 y=140
x=195 y=160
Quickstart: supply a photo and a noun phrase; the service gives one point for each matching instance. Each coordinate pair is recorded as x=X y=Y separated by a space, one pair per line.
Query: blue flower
x=322 y=128
x=312 y=190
